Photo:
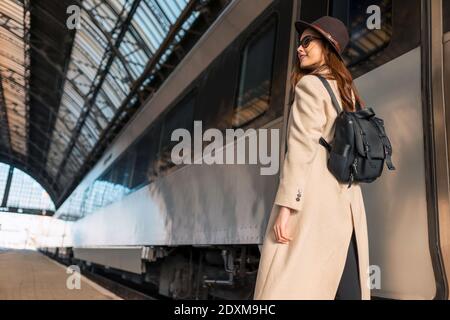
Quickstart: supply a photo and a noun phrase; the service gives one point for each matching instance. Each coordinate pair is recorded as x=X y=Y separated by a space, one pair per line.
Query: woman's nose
x=300 y=49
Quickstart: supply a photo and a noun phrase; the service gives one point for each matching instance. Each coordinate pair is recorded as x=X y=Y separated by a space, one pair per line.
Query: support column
x=7 y=187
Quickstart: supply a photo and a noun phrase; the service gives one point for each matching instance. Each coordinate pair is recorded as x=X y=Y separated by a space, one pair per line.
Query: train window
x=311 y=10
x=123 y=169
x=117 y=182
x=377 y=29
x=94 y=198
x=112 y=192
x=124 y=175
x=146 y=150
x=84 y=203
x=71 y=209
x=255 y=79
x=216 y=91
x=446 y=15
x=179 y=117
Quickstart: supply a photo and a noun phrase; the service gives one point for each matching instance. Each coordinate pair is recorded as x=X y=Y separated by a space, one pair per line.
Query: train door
x=390 y=60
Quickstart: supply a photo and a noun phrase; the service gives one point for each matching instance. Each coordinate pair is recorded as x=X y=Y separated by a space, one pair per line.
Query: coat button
x=298 y=199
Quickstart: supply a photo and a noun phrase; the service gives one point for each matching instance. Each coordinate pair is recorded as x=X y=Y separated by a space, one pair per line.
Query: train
x=194 y=231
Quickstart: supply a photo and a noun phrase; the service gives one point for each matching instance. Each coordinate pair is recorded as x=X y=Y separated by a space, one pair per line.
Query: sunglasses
x=307 y=40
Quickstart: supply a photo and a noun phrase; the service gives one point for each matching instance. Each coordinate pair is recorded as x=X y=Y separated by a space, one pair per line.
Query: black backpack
x=360 y=145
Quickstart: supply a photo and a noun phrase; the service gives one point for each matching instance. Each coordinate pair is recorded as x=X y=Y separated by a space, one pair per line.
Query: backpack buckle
x=324 y=143
x=387 y=150
x=367 y=149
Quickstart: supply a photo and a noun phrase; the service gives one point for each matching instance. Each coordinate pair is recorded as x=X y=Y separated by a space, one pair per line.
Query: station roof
x=72 y=73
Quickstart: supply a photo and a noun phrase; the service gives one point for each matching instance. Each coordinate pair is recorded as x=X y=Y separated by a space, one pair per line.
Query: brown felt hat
x=332 y=29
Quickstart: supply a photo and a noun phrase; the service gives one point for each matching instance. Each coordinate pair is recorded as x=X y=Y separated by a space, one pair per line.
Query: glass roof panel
x=26 y=192
x=14 y=64
x=101 y=21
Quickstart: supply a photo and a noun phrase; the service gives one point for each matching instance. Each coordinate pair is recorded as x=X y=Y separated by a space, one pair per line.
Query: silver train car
x=194 y=231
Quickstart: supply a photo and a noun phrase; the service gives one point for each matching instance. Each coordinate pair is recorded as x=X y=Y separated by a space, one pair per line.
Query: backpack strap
x=322 y=141
x=331 y=93
x=333 y=97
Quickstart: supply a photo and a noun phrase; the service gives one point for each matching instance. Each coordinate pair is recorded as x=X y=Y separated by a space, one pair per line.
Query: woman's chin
x=305 y=66
x=307 y=62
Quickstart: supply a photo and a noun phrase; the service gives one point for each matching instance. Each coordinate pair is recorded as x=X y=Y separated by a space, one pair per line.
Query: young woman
x=316 y=243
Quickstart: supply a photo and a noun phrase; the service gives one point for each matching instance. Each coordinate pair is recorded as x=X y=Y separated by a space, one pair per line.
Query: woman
x=316 y=243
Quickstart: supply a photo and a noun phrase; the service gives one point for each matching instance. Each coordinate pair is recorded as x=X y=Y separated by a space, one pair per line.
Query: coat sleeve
x=307 y=123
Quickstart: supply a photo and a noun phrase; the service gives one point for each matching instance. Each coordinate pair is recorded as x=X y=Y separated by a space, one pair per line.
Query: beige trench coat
x=310 y=266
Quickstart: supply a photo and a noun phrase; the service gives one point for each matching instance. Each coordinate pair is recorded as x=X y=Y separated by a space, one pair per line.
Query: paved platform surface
x=30 y=275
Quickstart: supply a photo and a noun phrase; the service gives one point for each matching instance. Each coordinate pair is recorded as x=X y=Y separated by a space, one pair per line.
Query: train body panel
x=196 y=205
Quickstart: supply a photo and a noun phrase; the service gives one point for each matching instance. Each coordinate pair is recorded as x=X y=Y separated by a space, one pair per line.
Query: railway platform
x=29 y=275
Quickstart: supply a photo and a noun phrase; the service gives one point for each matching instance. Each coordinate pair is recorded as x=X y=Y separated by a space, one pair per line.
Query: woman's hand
x=280 y=226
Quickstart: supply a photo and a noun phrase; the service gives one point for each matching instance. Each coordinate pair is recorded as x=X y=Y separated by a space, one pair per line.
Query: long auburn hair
x=338 y=72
